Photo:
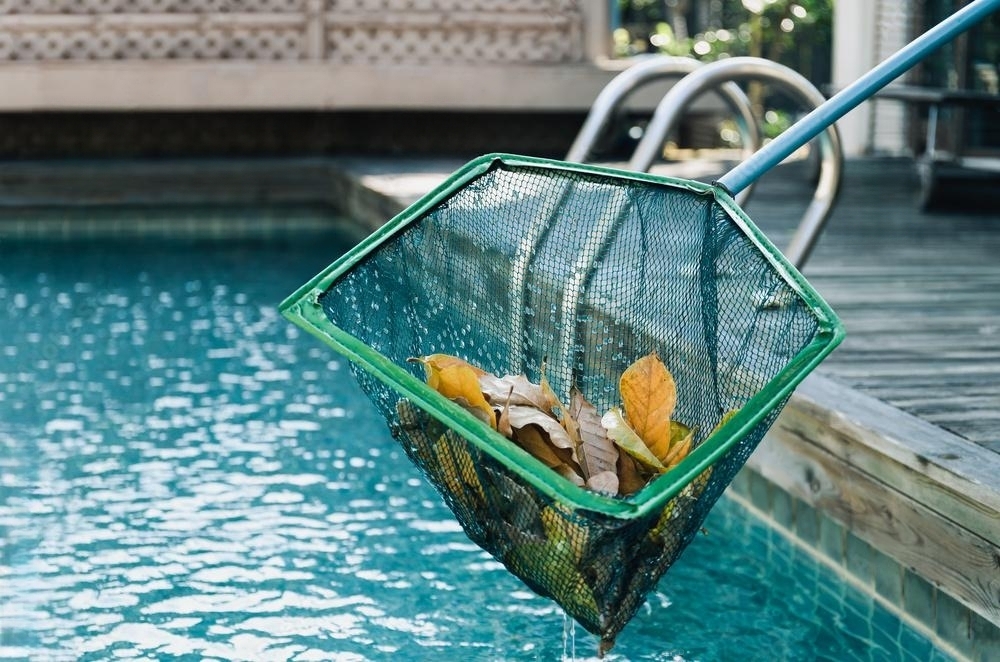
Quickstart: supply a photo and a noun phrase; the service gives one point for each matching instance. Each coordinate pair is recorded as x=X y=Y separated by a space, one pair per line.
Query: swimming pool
x=186 y=475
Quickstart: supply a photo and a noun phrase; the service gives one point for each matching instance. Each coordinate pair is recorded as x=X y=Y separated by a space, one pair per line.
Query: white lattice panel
x=345 y=31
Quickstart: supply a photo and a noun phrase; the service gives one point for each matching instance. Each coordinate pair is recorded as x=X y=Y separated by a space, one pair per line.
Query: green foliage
x=796 y=33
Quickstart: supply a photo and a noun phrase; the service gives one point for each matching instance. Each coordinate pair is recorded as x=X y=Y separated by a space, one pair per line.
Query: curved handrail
x=670 y=108
x=645 y=71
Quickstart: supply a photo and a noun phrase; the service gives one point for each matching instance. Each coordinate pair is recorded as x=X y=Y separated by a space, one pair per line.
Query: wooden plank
x=961 y=563
x=937 y=468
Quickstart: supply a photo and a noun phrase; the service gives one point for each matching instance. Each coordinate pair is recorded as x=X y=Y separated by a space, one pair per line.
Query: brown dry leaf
x=596 y=451
x=561 y=411
x=605 y=481
x=503 y=421
x=570 y=474
x=630 y=479
x=521 y=416
x=533 y=439
x=649 y=396
x=511 y=389
x=458 y=380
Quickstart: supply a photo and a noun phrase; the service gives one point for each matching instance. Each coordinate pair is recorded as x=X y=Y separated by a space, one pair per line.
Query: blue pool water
x=185 y=475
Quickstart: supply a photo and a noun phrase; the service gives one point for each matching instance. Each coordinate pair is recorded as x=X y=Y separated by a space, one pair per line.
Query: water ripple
x=183 y=473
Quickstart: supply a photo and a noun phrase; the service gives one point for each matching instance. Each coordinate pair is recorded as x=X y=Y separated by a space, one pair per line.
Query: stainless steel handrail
x=645 y=71
x=717 y=73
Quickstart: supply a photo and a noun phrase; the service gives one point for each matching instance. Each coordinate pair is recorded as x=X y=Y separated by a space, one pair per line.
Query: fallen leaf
x=596 y=451
x=447 y=459
x=503 y=422
x=556 y=406
x=649 y=396
x=605 y=481
x=458 y=380
x=562 y=525
x=555 y=565
x=630 y=479
x=552 y=400
x=521 y=416
x=434 y=363
x=570 y=474
x=728 y=416
x=630 y=442
x=533 y=440
x=681 y=438
x=511 y=389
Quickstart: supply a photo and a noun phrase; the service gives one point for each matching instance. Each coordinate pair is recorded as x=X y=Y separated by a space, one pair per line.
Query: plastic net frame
x=516 y=261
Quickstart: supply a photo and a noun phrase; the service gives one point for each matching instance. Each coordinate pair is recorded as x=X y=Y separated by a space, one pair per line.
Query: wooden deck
x=918 y=292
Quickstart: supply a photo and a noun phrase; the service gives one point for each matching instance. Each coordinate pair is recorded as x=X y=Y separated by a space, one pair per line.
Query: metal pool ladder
x=697 y=78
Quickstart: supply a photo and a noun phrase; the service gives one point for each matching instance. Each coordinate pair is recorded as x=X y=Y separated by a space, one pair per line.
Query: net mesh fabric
x=523 y=265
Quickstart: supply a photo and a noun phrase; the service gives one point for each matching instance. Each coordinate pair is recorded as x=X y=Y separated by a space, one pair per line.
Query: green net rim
x=303 y=308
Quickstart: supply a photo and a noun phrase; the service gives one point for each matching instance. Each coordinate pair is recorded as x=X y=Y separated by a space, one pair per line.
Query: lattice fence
x=340 y=31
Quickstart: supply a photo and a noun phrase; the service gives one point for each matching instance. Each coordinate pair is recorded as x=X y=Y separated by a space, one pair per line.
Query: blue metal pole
x=854 y=94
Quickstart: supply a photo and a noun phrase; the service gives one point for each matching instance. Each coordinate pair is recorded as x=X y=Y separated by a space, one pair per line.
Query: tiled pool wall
x=953 y=627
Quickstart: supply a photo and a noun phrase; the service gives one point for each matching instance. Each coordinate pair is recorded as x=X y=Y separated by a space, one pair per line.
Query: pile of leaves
x=614 y=453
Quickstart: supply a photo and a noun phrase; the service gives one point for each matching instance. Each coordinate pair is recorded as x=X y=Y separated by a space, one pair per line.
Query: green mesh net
x=515 y=261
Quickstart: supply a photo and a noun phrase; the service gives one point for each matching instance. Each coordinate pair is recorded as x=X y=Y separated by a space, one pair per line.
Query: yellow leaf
x=447 y=459
x=436 y=362
x=728 y=416
x=459 y=471
x=458 y=380
x=553 y=564
x=630 y=442
x=681 y=438
x=649 y=396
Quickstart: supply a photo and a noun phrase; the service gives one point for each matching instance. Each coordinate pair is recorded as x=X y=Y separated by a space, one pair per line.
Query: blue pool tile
x=858 y=558
x=831 y=539
x=760 y=492
x=952 y=623
x=914 y=646
x=918 y=598
x=781 y=508
x=858 y=616
x=985 y=639
x=806 y=522
x=741 y=483
x=888 y=576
